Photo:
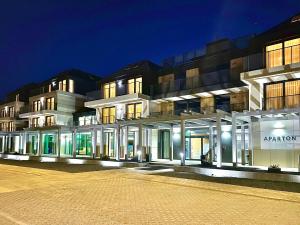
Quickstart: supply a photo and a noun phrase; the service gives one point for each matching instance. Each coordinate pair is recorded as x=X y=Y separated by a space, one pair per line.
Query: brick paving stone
x=41 y=196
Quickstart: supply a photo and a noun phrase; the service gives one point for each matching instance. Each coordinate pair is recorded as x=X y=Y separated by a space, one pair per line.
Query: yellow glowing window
x=50 y=103
x=292 y=94
x=135 y=85
x=130 y=111
x=138 y=110
x=108 y=115
x=274 y=96
x=109 y=90
x=292 y=51
x=71 y=86
x=274 y=55
x=112 y=91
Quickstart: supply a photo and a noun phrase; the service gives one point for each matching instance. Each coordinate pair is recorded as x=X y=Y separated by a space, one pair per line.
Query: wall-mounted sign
x=280 y=135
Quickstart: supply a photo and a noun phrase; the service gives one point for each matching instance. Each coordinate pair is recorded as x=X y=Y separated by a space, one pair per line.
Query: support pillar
x=101 y=142
x=40 y=141
x=58 y=142
x=243 y=144
x=94 y=144
x=125 y=132
x=117 y=133
x=219 y=142
x=171 y=144
x=74 y=142
x=150 y=144
x=182 y=142
x=9 y=142
x=211 y=144
x=234 y=144
x=24 y=143
x=140 y=146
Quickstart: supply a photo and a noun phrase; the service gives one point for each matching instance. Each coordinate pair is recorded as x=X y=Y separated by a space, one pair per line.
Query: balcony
x=204 y=82
x=30 y=108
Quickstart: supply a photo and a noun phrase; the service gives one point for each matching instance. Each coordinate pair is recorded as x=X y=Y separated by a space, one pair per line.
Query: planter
x=274 y=170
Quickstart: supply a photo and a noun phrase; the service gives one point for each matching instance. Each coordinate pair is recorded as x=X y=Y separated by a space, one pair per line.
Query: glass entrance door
x=131 y=144
x=196 y=146
x=109 y=144
x=165 y=144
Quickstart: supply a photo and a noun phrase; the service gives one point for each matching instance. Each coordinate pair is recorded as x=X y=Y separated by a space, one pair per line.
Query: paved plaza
x=84 y=194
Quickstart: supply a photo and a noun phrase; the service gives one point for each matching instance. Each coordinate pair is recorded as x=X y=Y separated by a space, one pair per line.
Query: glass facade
x=135 y=85
x=66 y=144
x=84 y=144
x=49 y=144
x=109 y=90
x=108 y=115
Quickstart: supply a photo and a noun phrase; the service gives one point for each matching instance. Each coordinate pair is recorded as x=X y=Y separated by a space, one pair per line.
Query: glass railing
x=280 y=102
x=108 y=119
x=201 y=81
x=31 y=108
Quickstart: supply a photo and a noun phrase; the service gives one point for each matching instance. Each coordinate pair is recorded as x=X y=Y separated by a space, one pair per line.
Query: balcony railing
x=280 y=102
x=202 y=81
x=122 y=89
x=30 y=108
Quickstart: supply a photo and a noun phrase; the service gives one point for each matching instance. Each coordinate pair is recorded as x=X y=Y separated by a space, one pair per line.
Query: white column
x=24 y=143
x=234 y=144
x=219 y=142
x=74 y=142
x=140 y=145
x=58 y=142
x=150 y=144
x=182 y=142
x=211 y=143
x=94 y=144
x=250 y=142
x=243 y=150
x=101 y=141
x=171 y=144
x=125 y=134
x=9 y=142
x=117 y=139
x=40 y=141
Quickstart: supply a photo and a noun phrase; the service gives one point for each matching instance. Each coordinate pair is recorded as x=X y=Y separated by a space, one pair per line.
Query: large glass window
x=35 y=122
x=108 y=115
x=10 y=126
x=292 y=94
x=274 y=96
x=71 y=86
x=11 y=111
x=49 y=144
x=292 y=51
x=37 y=106
x=66 y=146
x=274 y=55
x=134 y=111
x=109 y=90
x=84 y=144
x=50 y=103
x=49 y=120
x=62 y=85
x=135 y=85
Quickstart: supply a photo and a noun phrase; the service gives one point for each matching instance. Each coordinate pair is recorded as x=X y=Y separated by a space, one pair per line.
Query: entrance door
x=109 y=144
x=131 y=144
x=196 y=146
x=165 y=144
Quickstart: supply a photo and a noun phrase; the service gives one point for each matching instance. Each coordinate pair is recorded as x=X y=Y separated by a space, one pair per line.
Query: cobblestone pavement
x=122 y=196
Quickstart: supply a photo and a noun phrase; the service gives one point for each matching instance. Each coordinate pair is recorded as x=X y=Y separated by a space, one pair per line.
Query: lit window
x=292 y=94
x=71 y=86
x=49 y=120
x=274 y=55
x=49 y=88
x=50 y=105
x=63 y=85
x=274 y=96
x=135 y=85
x=109 y=90
x=134 y=111
x=292 y=51
x=35 y=122
x=108 y=115
x=36 y=106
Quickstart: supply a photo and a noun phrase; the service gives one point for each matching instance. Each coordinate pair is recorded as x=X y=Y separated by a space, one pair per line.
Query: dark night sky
x=40 y=38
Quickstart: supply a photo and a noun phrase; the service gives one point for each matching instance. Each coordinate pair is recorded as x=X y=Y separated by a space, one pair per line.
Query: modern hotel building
x=237 y=102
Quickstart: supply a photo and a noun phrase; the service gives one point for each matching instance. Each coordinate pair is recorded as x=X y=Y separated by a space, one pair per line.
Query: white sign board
x=280 y=134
